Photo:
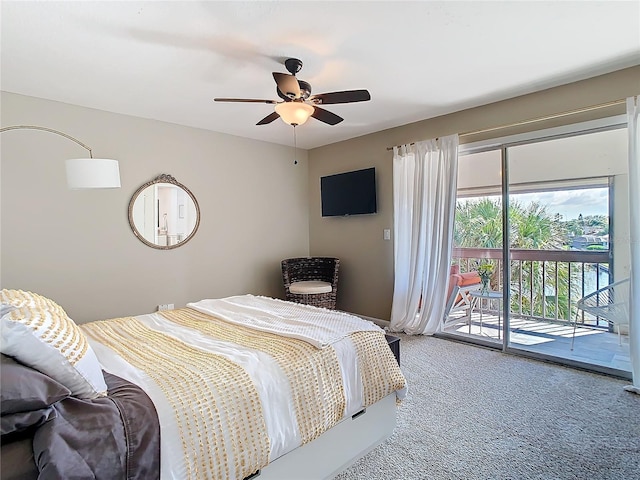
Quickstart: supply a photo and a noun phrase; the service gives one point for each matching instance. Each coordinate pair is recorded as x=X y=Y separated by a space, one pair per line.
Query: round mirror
x=163 y=213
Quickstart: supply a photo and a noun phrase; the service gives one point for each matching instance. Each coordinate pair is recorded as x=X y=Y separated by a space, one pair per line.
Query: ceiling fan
x=297 y=103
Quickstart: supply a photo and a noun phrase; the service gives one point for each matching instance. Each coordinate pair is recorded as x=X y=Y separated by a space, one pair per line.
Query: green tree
x=597 y=224
x=592 y=224
x=478 y=224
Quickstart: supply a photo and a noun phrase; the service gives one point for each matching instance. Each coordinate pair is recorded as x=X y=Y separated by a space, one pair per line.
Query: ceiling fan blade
x=349 y=96
x=244 y=100
x=287 y=84
x=269 y=118
x=326 y=116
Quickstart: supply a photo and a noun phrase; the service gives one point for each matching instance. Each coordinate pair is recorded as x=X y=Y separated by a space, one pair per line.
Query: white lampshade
x=92 y=173
x=294 y=113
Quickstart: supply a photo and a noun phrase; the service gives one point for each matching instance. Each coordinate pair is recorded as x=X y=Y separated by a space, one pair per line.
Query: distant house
x=581 y=242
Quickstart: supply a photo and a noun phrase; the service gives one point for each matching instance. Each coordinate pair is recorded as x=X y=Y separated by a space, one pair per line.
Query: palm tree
x=478 y=224
x=532 y=227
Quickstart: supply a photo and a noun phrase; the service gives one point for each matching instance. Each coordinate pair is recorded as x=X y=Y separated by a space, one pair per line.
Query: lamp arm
x=50 y=130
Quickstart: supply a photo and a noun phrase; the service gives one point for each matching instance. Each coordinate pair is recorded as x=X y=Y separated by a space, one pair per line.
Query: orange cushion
x=469 y=278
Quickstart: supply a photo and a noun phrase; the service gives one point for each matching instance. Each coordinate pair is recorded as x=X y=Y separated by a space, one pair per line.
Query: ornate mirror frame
x=163 y=179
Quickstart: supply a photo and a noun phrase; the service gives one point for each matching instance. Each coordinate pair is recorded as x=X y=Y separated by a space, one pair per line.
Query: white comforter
x=273 y=388
x=317 y=326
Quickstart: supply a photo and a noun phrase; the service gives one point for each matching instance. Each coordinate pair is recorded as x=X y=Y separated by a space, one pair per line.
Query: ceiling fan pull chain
x=295 y=146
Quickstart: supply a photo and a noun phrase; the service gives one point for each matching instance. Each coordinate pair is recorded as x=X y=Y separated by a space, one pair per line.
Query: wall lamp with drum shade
x=82 y=173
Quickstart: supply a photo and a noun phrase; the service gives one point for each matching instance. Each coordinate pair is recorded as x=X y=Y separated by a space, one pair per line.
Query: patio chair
x=311 y=280
x=610 y=303
x=458 y=298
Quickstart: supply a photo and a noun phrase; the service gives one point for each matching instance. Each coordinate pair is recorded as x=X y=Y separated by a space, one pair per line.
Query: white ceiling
x=168 y=60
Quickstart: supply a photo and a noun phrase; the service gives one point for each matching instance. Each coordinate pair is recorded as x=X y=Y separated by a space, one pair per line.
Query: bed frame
x=338 y=447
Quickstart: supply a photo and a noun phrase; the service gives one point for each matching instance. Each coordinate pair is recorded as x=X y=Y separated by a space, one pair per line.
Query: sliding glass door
x=568 y=211
x=548 y=217
x=478 y=241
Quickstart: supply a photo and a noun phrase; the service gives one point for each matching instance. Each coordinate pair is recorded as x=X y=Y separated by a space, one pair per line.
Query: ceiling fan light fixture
x=294 y=113
x=299 y=104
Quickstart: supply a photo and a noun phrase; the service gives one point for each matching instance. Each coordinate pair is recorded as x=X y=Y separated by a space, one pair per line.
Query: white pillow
x=38 y=333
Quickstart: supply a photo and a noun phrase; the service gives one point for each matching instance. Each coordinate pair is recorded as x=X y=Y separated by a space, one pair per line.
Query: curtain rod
x=539 y=119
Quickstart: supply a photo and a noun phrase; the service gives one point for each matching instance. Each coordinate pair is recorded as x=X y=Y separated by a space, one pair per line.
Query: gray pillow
x=25 y=389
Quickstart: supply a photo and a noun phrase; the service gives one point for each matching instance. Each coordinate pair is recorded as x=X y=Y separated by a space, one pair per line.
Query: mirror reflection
x=163 y=213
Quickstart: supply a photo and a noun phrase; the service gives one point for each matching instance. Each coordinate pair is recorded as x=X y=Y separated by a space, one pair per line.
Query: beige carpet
x=474 y=413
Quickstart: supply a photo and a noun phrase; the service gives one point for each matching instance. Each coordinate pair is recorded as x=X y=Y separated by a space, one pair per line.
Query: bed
x=233 y=388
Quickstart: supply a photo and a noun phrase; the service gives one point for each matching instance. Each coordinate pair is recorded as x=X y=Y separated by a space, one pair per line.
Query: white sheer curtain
x=633 y=108
x=425 y=179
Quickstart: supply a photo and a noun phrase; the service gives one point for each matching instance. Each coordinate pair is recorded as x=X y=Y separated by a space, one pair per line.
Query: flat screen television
x=349 y=193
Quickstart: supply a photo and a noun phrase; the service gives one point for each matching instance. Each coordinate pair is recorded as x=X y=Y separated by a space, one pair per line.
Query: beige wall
x=257 y=208
x=76 y=247
x=366 y=279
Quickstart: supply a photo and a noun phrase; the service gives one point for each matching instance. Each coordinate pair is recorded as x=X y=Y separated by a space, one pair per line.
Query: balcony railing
x=545 y=284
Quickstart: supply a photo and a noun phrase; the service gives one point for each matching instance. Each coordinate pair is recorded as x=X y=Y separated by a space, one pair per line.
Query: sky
x=569 y=203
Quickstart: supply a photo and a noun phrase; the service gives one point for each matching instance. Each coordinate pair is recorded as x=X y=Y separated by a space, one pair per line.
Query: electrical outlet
x=165 y=306
x=386 y=234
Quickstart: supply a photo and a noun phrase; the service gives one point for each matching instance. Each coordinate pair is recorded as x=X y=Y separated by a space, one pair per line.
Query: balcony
x=545 y=287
